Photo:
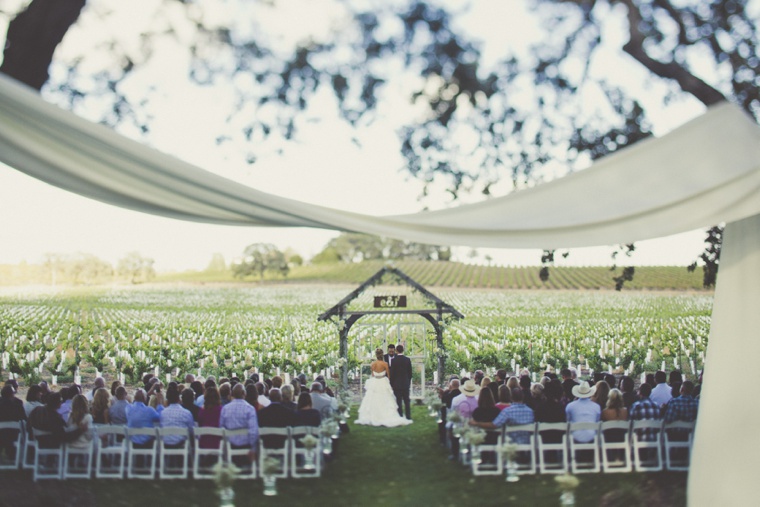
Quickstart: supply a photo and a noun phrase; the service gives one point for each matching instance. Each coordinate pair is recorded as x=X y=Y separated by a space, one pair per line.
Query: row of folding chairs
x=114 y=454
x=617 y=446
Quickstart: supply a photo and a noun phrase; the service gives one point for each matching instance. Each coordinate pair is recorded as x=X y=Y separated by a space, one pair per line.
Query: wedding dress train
x=378 y=407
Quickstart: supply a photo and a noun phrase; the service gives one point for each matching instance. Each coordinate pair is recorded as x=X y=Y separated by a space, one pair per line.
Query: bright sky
x=322 y=167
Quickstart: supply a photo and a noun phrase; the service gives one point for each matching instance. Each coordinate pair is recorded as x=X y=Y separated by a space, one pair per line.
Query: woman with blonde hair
x=80 y=418
x=101 y=401
x=601 y=394
x=615 y=409
x=378 y=407
x=513 y=383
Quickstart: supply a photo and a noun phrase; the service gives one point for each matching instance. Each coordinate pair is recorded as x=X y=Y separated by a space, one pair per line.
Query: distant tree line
x=260 y=259
x=357 y=247
x=81 y=269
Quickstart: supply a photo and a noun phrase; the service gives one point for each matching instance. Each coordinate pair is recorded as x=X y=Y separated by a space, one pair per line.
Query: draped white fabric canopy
x=703 y=173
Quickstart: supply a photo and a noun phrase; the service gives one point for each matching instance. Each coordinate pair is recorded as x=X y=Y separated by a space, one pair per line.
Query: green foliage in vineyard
x=275 y=328
x=460 y=275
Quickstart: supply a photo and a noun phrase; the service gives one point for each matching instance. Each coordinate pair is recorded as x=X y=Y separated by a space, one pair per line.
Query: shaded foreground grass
x=373 y=467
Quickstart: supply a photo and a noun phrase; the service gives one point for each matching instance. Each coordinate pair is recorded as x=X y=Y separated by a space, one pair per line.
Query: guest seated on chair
x=80 y=418
x=322 y=402
x=552 y=410
x=276 y=416
x=11 y=410
x=175 y=416
x=118 y=411
x=100 y=407
x=33 y=399
x=516 y=414
x=48 y=419
x=287 y=397
x=615 y=409
x=583 y=410
x=188 y=403
x=486 y=412
x=239 y=414
x=209 y=416
x=307 y=416
x=139 y=415
x=681 y=408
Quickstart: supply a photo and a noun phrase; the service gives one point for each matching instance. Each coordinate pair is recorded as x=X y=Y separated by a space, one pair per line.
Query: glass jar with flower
x=567 y=484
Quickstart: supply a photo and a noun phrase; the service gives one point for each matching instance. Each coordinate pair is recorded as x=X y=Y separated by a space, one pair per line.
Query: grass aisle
x=374 y=467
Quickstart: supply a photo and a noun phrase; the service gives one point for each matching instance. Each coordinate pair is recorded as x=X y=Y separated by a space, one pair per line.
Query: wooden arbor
x=435 y=315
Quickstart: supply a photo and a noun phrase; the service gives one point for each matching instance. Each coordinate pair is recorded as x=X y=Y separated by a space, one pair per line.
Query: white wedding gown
x=378 y=406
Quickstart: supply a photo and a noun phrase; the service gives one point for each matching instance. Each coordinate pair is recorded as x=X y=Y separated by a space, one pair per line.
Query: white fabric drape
x=701 y=174
x=726 y=455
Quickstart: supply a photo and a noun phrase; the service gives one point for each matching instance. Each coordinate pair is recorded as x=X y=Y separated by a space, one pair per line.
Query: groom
x=401 y=379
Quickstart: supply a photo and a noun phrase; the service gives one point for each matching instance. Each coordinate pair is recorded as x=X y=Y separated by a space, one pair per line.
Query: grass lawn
x=374 y=467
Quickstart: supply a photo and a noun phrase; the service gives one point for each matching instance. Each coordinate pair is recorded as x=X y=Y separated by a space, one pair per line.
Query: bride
x=378 y=406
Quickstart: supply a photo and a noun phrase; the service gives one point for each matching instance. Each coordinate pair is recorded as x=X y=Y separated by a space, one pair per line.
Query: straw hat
x=470 y=388
x=583 y=390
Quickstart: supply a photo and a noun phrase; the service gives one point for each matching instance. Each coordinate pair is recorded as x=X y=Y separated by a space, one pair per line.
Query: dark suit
x=401 y=380
x=387 y=358
x=276 y=416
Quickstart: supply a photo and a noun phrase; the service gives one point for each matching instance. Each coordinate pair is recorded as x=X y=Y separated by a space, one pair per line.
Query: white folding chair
x=27 y=461
x=551 y=441
x=110 y=451
x=489 y=461
x=274 y=443
x=305 y=462
x=615 y=441
x=77 y=461
x=646 y=438
x=10 y=459
x=174 y=460
x=677 y=439
x=239 y=457
x=141 y=459
x=590 y=449
x=205 y=458
x=526 y=451
x=48 y=461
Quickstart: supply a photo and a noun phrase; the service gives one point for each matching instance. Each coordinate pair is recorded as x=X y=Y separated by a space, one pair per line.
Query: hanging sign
x=390 y=301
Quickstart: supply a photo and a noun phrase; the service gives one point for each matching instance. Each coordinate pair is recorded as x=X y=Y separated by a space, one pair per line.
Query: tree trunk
x=33 y=36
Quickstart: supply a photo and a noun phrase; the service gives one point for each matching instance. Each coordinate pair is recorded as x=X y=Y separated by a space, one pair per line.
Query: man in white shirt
x=661 y=393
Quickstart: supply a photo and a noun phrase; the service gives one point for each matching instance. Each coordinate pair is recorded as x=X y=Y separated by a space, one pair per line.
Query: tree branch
x=685 y=79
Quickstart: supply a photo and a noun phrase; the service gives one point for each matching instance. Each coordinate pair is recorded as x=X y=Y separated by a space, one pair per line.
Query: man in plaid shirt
x=176 y=416
x=682 y=408
x=645 y=408
x=514 y=415
x=237 y=414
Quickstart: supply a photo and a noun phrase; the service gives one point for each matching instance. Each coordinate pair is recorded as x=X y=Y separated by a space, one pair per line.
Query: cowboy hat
x=470 y=388
x=583 y=390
